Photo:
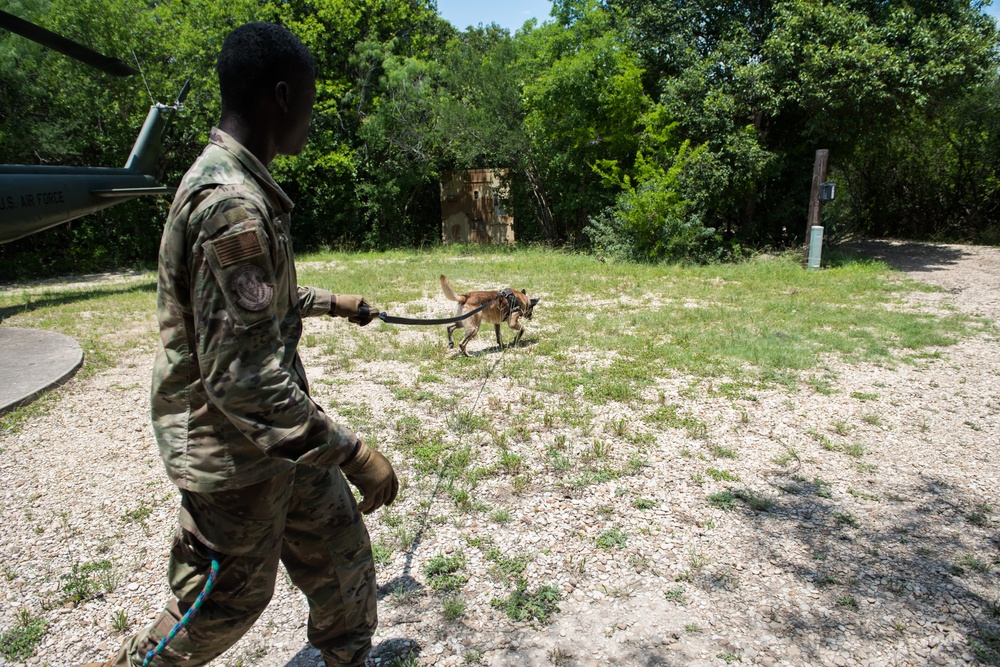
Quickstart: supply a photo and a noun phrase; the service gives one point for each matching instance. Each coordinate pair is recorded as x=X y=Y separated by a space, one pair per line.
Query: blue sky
x=510 y=14
x=994 y=9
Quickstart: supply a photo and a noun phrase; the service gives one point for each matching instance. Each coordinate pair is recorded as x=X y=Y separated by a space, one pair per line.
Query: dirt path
x=970 y=273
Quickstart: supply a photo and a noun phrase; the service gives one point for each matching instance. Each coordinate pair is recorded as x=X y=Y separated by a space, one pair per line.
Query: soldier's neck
x=261 y=144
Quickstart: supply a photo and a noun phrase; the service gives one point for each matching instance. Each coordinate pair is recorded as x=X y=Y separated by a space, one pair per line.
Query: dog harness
x=510 y=299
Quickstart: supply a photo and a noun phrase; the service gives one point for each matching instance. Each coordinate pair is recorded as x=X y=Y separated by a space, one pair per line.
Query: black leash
x=392 y=319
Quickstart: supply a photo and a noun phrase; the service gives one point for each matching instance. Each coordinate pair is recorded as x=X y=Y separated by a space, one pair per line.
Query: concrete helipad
x=31 y=361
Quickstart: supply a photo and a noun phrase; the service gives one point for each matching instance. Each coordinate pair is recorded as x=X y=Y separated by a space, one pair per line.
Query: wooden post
x=819 y=176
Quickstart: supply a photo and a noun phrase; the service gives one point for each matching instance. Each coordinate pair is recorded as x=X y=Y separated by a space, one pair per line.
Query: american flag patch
x=238 y=247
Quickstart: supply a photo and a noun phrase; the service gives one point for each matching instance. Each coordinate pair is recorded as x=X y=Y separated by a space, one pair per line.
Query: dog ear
x=524 y=293
x=534 y=301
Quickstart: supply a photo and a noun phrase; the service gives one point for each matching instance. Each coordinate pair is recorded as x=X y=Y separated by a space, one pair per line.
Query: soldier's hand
x=373 y=475
x=354 y=308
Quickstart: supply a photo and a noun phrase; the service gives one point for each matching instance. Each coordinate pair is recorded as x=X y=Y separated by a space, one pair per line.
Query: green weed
x=611 y=538
x=676 y=595
x=525 y=605
x=19 y=643
x=722 y=475
x=724 y=500
x=453 y=607
x=442 y=572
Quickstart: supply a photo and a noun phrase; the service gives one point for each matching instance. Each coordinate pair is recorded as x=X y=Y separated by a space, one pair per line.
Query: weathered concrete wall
x=471 y=211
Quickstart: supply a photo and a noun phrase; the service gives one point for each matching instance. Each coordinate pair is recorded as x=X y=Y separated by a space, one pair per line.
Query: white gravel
x=854 y=565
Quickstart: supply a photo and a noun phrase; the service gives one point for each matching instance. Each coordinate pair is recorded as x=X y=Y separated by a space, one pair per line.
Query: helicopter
x=36 y=197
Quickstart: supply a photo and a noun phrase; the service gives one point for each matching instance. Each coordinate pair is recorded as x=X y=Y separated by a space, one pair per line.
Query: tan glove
x=354 y=308
x=373 y=475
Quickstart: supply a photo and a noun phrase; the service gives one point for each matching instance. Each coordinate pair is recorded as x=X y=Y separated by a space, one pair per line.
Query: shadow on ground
x=900 y=255
x=61 y=299
x=939 y=562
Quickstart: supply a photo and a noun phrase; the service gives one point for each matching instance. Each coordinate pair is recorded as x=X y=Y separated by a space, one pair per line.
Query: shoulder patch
x=251 y=288
x=238 y=247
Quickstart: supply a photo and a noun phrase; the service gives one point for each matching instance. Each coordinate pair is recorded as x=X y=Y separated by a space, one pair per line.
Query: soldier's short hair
x=254 y=58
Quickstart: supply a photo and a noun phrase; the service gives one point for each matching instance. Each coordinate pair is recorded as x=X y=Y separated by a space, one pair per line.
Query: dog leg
x=451 y=329
x=515 y=323
x=470 y=333
x=496 y=327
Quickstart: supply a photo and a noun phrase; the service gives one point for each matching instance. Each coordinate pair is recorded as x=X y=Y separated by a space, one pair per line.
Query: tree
x=584 y=103
x=765 y=84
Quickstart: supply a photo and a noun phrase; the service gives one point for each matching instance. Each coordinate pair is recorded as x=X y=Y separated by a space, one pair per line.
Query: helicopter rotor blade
x=64 y=46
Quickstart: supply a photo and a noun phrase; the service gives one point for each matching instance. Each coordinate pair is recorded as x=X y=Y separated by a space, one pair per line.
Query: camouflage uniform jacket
x=229 y=398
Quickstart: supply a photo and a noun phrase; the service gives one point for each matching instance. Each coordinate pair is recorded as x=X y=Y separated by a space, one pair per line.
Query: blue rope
x=189 y=615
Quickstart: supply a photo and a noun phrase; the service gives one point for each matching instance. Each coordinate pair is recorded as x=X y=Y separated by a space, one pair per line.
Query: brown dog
x=504 y=306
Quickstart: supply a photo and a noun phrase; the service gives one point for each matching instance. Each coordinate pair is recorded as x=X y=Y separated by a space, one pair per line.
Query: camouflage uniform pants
x=306 y=518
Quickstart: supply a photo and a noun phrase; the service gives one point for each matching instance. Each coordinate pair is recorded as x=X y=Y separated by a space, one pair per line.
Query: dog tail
x=449 y=293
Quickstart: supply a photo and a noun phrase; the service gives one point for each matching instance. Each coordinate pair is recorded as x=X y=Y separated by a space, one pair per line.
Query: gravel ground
x=881 y=547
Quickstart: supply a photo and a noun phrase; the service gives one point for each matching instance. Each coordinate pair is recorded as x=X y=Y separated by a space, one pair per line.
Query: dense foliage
x=643 y=129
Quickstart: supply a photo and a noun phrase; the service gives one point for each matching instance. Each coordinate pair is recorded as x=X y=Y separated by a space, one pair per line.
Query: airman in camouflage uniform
x=260 y=466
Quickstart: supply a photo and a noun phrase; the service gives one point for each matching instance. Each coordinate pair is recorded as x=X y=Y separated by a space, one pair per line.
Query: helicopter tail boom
x=146 y=150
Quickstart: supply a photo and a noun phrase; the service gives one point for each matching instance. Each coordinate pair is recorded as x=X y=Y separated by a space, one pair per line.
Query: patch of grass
x=381 y=553
x=511 y=462
x=790 y=454
x=872 y=418
x=985 y=645
x=120 y=621
x=730 y=657
x=85 y=581
x=857 y=450
x=669 y=416
x=827 y=579
x=722 y=475
x=19 y=643
x=520 y=484
x=840 y=427
x=720 y=452
x=848 y=602
x=758 y=502
x=442 y=572
x=596 y=451
x=863 y=495
x=861 y=396
x=844 y=519
x=453 y=607
x=611 y=538
x=971 y=562
x=465 y=421
x=644 y=503
x=501 y=516
x=724 y=500
x=139 y=514
x=506 y=567
x=619 y=427
x=676 y=595
x=823 y=488
x=524 y=605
